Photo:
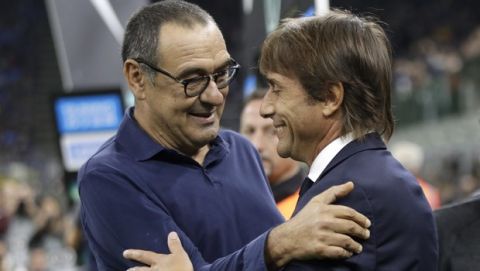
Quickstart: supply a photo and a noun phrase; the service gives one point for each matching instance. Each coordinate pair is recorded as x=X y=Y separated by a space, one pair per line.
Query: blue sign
x=88 y=113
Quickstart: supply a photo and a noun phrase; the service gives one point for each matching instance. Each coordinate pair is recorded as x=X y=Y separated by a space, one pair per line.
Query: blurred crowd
x=450 y=178
x=38 y=231
x=457 y=178
x=438 y=76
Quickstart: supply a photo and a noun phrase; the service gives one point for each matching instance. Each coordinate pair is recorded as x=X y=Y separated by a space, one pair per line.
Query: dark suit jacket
x=403 y=235
x=459 y=236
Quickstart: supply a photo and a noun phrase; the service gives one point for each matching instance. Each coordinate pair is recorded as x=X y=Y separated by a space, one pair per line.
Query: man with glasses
x=171 y=168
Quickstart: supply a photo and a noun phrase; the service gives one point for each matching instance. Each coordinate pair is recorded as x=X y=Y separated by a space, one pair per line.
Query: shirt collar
x=135 y=140
x=326 y=156
x=143 y=147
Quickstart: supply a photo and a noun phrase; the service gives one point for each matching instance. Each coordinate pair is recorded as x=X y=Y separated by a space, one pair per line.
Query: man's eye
x=248 y=131
x=221 y=75
x=195 y=79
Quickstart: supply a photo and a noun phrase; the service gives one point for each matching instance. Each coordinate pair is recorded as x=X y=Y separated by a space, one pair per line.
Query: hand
x=178 y=260
x=320 y=230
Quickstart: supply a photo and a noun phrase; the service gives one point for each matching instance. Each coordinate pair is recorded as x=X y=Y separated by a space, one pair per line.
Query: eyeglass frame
x=211 y=77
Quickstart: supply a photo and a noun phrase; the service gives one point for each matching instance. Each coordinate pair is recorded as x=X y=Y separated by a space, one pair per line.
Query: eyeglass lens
x=197 y=85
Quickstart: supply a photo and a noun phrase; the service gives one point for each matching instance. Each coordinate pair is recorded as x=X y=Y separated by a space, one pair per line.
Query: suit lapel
x=370 y=142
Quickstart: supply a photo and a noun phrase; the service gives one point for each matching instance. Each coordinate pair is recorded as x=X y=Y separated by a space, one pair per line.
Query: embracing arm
x=118 y=214
x=321 y=230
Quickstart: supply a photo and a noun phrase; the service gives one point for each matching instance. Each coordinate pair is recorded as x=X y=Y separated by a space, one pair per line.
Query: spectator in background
x=33 y=238
x=47 y=245
x=4 y=218
x=459 y=235
x=21 y=210
x=75 y=239
x=3 y=251
x=3 y=226
x=285 y=175
x=411 y=156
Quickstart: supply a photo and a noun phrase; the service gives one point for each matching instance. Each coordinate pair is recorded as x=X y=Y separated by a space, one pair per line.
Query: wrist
x=277 y=252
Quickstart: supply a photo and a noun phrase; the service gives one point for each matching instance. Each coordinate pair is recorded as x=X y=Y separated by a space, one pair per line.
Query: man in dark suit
x=459 y=235
x=329 y=99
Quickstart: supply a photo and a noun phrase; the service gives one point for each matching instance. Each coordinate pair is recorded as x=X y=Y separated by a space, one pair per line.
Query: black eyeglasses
x=195 y=86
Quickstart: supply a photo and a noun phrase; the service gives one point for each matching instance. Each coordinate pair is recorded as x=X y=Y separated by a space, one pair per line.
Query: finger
x=347 y=220
x=344 y=241
x=335 y=253
x=174 y=243
x=346 y=212
x=350 y=228
x=338 y=243
x=143 y=256
x=335 y=192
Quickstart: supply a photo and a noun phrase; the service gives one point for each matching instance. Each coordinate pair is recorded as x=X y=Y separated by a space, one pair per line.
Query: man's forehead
x=275 y=78
x=192 y=47
x=253 y=106
x=172 y=33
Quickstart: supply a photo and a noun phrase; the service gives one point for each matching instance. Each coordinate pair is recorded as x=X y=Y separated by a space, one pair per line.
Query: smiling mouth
x=201 y=114
x=279 y=128
x=203 y=118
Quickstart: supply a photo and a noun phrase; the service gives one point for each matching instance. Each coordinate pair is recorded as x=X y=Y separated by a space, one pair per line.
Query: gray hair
x=142 y=31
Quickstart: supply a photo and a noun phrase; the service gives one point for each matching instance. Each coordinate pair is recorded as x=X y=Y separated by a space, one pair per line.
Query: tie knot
x=307 y=183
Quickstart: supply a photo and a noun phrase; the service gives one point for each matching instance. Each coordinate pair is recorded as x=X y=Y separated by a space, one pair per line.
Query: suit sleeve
x=117 y=215
x=366 y=260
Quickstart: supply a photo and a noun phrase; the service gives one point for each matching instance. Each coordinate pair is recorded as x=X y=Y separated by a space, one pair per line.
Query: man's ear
x=334 y=99
x=135 y=77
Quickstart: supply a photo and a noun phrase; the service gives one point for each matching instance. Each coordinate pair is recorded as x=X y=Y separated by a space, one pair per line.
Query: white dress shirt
x=326 y=156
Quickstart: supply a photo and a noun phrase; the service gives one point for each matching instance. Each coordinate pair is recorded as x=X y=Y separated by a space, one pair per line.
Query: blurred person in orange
x=285 y=175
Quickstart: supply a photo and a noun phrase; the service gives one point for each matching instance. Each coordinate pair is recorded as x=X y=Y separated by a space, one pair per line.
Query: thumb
x=174 y=243
x=335 y=192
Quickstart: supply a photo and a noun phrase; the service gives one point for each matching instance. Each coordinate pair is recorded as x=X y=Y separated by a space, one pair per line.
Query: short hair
x=337 y=47
x=142 y=31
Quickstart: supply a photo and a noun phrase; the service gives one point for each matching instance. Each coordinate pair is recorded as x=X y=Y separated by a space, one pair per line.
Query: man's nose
x=266 y=108
x=213 y=95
